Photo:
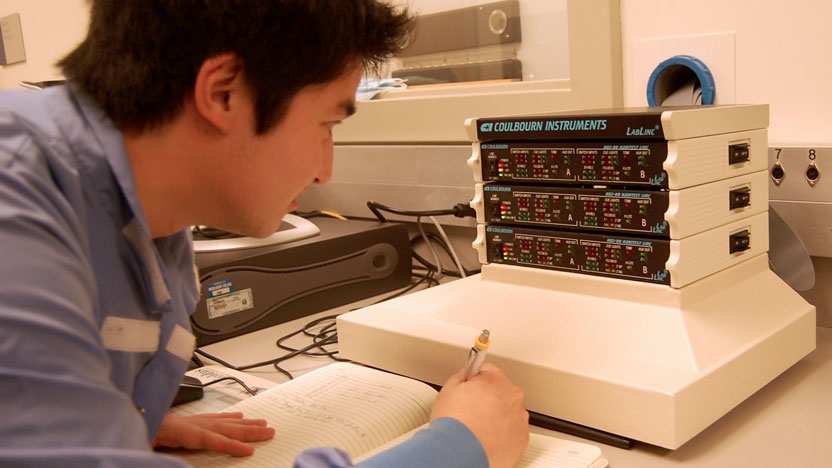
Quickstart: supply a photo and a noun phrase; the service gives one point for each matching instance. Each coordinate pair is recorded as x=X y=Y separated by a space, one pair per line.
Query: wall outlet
x=716 y=51
x=11 y=40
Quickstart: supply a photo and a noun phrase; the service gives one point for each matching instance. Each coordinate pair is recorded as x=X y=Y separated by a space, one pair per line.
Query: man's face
x=276 y=167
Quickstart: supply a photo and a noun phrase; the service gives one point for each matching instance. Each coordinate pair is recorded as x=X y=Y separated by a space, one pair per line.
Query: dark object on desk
x=189 y=390
x=555 y=424
x=246 y=290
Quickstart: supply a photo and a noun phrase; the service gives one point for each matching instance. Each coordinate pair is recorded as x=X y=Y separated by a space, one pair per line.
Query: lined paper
x=550 y=452
x=342 y=405
x=362 y=411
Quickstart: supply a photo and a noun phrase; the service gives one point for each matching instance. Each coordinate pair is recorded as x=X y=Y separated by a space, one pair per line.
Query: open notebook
x=362 y=410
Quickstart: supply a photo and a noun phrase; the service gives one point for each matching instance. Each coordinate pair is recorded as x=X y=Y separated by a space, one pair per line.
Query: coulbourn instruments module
x=609 y=194
x=625 y=277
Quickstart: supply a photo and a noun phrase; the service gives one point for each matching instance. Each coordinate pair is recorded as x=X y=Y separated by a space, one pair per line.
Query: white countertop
x=788 y=423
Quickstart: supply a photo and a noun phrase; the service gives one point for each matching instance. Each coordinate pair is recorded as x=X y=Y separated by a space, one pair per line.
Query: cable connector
x=463 y=210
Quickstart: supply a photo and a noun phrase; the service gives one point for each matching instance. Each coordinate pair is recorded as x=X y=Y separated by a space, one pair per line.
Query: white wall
x=780 y=52
x=51 y=28
x=781 y=56
x=776 y=53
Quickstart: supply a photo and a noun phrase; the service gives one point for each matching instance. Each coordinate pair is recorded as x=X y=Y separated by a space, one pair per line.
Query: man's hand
x=218 y=432
x=492 y=407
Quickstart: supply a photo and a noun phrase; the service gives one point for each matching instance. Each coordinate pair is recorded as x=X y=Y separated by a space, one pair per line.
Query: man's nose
x=326 y=170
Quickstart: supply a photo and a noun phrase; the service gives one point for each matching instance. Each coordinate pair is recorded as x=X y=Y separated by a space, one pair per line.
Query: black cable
x=425 y=262
x=460 y=210
x=263 y=363
x=307 y=214
x=434 y=237
x=317 y=214
x=427 y=277
x=196 y=361
x=430 y=266
x=235 y=379
x=283 y=371
x=377 y=208
x=328 y=334
x=319 y=339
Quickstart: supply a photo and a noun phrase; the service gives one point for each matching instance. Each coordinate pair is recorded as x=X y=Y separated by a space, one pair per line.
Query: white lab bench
x=788 y=423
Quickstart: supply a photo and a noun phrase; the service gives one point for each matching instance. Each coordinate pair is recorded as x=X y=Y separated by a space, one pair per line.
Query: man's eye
x=330 y=125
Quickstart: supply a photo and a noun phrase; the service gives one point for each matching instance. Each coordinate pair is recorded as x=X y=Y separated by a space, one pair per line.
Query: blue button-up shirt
x=94 y=331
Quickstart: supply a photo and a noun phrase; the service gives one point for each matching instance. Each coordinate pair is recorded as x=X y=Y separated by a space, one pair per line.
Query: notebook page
x=343 y=405
x=550 y=452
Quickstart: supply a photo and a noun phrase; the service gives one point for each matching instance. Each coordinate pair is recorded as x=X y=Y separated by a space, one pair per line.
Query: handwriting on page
x=345 y=407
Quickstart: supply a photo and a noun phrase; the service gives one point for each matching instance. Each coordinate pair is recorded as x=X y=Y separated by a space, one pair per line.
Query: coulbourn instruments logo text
x=544 y=125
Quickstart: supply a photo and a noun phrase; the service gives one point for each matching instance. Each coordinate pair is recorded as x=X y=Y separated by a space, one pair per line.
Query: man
x=178 y=113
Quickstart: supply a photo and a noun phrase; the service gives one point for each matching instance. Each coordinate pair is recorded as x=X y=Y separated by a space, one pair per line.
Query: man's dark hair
x=140 y=58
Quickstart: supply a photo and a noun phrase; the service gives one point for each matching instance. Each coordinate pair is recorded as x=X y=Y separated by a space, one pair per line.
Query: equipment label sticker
x=230 y=303
x=220 y=288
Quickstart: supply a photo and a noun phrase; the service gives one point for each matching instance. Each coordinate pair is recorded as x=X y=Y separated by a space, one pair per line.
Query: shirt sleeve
x=322 y=457
x=88 y=458
x=446 y=442
x=58 y=405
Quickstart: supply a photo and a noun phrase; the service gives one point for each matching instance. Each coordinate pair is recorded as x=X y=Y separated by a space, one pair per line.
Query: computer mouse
x=189 y=390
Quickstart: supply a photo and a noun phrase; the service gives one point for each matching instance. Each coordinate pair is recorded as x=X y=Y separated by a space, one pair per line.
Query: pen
x=477 y=355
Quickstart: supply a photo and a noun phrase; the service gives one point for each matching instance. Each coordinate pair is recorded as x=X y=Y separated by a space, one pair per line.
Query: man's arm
x=492 y=408
x=476 y=423
x=58 y=404
x=446 y=443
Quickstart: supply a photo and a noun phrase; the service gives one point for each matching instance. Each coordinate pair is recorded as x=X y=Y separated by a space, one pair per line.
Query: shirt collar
x=135 y=230
x=112 y=145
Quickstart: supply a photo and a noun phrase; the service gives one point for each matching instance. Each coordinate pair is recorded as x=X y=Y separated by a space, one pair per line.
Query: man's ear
x=219 y=89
